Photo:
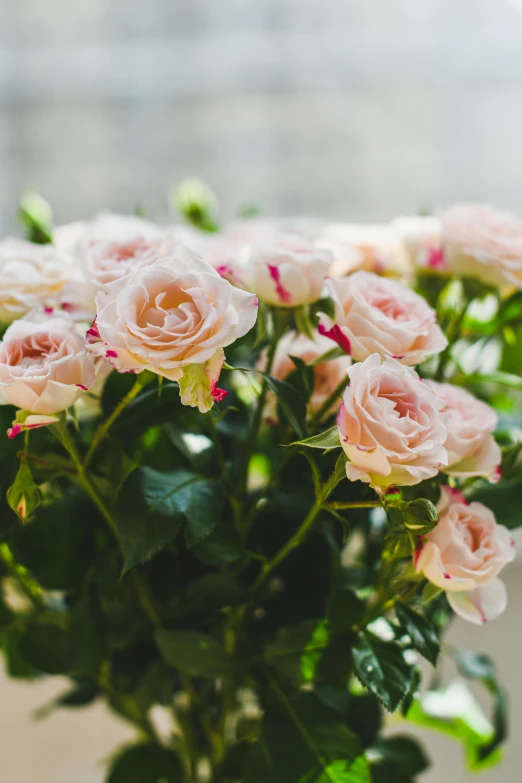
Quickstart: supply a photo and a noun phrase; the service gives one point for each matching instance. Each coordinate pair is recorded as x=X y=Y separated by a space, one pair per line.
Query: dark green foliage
x=382 y=668
x=421 y=631
x=146 y=763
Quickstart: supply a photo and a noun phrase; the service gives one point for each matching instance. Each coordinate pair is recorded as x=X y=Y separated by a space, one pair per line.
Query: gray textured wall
x=356 y=108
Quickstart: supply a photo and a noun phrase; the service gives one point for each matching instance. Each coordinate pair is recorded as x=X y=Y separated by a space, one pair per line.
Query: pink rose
x=33 y=276
x=288 y=272
x=44 y=367
x=390 y=425
x=377 y=315
x=484 y=242
x=327 y=375
x=374 y=248
x=112 y=245
x=472 y=450
x=173 y=317
x=464 y=554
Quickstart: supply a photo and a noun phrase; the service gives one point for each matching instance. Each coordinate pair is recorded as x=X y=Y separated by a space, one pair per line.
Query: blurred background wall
x=358 y=109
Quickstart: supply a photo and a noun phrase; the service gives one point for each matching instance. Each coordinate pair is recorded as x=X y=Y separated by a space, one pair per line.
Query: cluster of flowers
x=120 y=293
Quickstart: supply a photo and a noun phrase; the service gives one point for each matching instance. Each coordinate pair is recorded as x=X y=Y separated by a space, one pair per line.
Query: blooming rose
x=32 y=276
x=378 y=315
x=464 y=555
x=111 y=245
x=375 y=248
x=174 y=318
x=472 y=450
x=44 y=367
x=422 y=237
x=390 y=425
x=288 y=272
x=484 y=242
x=327 y=375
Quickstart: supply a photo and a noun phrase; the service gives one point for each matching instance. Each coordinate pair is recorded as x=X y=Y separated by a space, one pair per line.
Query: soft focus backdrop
x=355 y=109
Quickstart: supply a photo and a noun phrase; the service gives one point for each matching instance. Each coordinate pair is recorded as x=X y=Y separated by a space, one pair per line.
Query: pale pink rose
x=484 y=242
x=390 y=425
x=33 y=276
x=44 y=367
x=229 y=251
x=174 y=318
x=111 y=245
x=289 y=272
x=374 y=248
x=422 y=237
x=327 y=375
x=378 y=315
x=464 y=554
x=472 y=450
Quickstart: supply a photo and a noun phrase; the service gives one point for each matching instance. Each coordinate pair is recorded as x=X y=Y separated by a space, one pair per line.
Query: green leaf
x=503 y=499
x=146 y=763
x=153 y=505
x=381 y=667
x=57 y=545
x=307 y=742
x=48 y=648
x=399 y=759
x=422 y=633
x=453 y=711
x=345 y=609
x=296 y=651
x=324 y=441
x=479 y=667
x=23 y=496
x=37 y=216
x=302 y=378
x=291 y=403
x=195 y=653
x=420 y=516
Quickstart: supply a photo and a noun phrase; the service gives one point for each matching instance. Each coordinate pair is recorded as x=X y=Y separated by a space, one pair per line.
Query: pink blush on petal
x=281 y=291
x=336 y=334
x=218 y=394
x=12 y=432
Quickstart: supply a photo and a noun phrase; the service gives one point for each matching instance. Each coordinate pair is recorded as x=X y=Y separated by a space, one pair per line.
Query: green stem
x=101 y=433
x=339 y=506
x=297 y=538
x=453 y=334
x=328 y=403
x=279 y=322
x=28 y=586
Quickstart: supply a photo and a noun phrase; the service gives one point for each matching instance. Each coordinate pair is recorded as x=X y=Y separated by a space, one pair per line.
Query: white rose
x=390 y=426
x=173 y=317
x=483 y=242
x=378 y=315
x=33 y=276
x=472 y=449
x=44 y=367
x=289 y=272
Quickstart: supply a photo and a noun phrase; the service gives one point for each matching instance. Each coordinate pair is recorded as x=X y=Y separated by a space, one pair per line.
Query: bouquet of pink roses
x=249 y=474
